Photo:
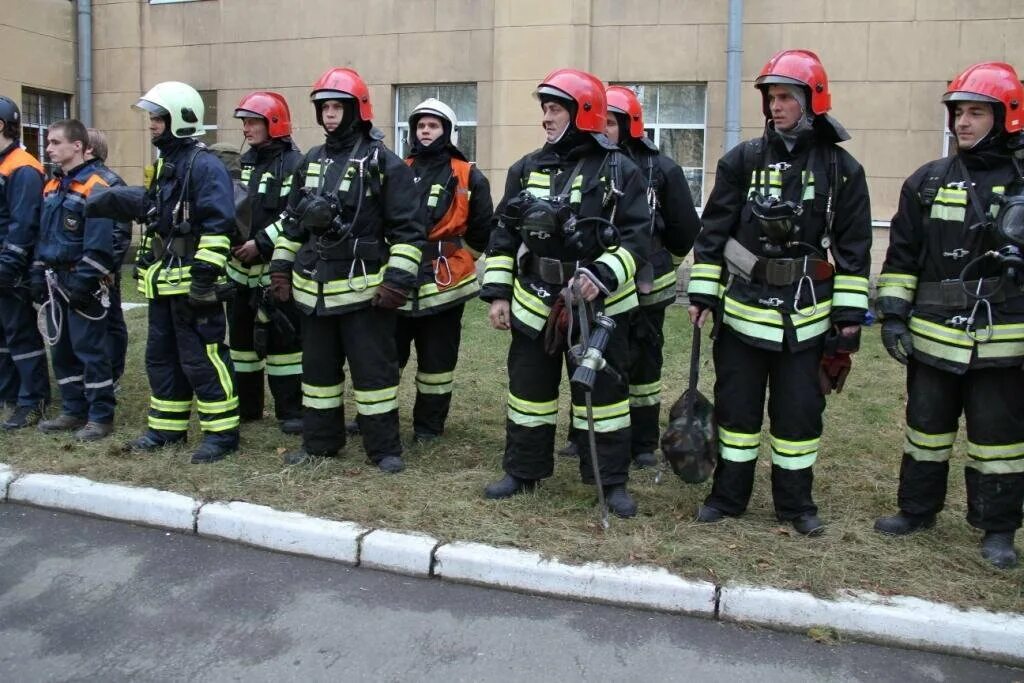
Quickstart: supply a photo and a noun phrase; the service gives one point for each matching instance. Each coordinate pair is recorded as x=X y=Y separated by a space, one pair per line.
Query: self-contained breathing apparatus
x=325 y=214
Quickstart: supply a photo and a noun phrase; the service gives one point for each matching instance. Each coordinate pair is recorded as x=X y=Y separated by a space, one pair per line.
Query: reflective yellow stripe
x=223 y=374
x=897 y=280
x=167 y=425
x=405 y=257
x=430 y=296
x=325 y=391
x=896 y=293
x=211 y=407
x=607 y=418
x=242 y=366
x=753 y=322
x=940 y=333
x=926 y=440
x=221 y=425
x=850 y=291
x=642 y=395
x=794 y=455
x=531 y=413
x=739 y=439
x=621 y=263
x=376 y=401
x=622 y=301
x=941 y=212
x=438 y=383
x=928 y=447
x=527 y=308
x=321 y=403
x=951 y=195
x=704 y=279
x=169 y=406
x=241 y=354
x=498 y=270
x=995 y=452
x=733 y=454
x=214 y=242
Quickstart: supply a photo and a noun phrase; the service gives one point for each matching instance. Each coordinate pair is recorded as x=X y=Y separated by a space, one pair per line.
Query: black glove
x=38 y=291
x=894 y=335
x=81 y=295
x=203 y=290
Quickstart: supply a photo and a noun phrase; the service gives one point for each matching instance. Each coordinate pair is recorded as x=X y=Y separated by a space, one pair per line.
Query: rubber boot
x=61 y=423
x=997 y=548
x=902 y=524
x=94 y=431
x=508 y=486
x=644 y=460
x=148 y=442
x=619 y=502
x=391 y=464
x=210 y=452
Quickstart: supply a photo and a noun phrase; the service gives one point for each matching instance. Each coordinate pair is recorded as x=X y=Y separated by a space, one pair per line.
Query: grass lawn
x=440 y=491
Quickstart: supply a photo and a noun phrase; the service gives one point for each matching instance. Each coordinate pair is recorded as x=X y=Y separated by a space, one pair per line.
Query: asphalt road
x=86 y=599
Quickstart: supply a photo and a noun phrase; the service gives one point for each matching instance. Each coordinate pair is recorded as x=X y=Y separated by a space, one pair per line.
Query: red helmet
x=993 y=82
x=269 y=106
x=586 y=90
x=623 y=100
x=797 y=67
x=341 y=83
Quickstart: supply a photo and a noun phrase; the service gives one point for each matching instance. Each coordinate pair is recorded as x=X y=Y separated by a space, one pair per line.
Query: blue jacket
x=21 y=193
x=68 y=240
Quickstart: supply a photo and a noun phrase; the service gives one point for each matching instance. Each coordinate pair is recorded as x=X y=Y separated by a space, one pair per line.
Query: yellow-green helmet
x=181 y=102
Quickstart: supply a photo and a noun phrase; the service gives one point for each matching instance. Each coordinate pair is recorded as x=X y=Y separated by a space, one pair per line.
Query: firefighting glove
x=894 y=335
x=389 y=297
x=281 y=286
x=81 y=296
x=557 y=328
x=203 y=289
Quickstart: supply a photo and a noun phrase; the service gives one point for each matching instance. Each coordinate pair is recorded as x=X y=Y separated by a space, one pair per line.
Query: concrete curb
x=140 y=505
x=290 y=532
x=647 y=587
x=903 y=620
x=7 y=475
x=403 y=553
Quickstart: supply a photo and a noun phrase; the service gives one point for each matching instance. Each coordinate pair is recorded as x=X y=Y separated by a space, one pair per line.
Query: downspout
x=733 y=76
x=85 y=61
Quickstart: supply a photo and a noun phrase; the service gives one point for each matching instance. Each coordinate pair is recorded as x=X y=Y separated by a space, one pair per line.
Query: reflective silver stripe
x=16 y=249
x=69 y=380
x=30 y=354
x=99 y=385
x=97 y=266
x=5 y=351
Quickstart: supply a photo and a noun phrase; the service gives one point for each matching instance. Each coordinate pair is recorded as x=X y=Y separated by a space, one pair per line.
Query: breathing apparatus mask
x=319 y=214
x=777 y=219
x=1009 y=228
x=541 y=219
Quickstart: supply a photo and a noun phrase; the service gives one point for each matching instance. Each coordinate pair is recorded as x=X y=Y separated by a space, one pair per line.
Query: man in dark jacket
x=264 y=333
x=673 y=228
x=780 y=203
x=569 y=231
x=181 y=270
x=24 y=384
x=456 y=200
x=349 y=251
x=952 y=304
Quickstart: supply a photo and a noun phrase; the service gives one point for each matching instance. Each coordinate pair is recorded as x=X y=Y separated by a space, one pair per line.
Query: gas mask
x=1009 y=227
x=777 y=219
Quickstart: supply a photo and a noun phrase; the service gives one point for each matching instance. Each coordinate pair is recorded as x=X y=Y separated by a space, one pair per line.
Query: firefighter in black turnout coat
x=573 y=217
x=349 y=251
x=787 y=317
x=264 y=332
x=953 y=311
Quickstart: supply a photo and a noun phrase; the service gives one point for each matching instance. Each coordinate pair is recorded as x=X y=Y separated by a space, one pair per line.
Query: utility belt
x=442 y=248
x=548 y=270
x=777 y=272
x=347 y=249
x=951 y=294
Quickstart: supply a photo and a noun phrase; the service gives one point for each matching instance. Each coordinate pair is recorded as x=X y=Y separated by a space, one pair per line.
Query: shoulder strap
x=933 y=180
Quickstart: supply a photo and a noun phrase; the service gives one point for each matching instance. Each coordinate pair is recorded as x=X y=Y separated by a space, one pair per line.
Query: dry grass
x=440 y=492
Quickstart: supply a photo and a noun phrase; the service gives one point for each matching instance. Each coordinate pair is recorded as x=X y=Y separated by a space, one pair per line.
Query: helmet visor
x=964 y=96
x=322 y=95
x=248 y=114
x=152 y=108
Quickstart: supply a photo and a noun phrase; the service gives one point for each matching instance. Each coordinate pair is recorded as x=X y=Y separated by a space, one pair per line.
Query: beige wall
x=37 y=47
x=889 y=60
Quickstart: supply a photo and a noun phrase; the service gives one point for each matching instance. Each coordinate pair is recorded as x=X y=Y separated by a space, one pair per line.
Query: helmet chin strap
x=562 y=134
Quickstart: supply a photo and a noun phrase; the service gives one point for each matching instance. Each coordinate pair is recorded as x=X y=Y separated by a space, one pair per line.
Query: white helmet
x=181 y=102
x=435 y=107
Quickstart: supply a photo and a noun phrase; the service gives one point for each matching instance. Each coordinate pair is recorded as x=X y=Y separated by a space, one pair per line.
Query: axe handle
x=691 y=398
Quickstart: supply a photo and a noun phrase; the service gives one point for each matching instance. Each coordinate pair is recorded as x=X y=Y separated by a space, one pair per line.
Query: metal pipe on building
x=85 y=61
x=733 y=75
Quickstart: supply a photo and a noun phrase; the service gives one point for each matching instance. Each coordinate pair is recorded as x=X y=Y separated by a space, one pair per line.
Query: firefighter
x=117 y=329
x=785 y=315
x=456 y=198
x=71 y=274
x=181 y=272
x=953 y=312
x=349 y=251
x=24 y=382
x=674 y=226
x=574 y=218
x=264 y=333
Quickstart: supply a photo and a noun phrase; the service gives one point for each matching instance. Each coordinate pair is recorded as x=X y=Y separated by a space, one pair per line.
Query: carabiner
x=799 y=289
x=442 y=260
x=351 y=276
x=971 y=331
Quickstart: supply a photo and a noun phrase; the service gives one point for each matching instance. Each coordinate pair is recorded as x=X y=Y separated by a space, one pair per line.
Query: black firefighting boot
x=570 y=450
x=808 y=524
x=707 y=514
x=509 y=486
x=997 y=548
x=23 y=416
x=149 y=442
x=391 y=464
x=619 y=502
x=352 y=428
x=292 y=425
x=62 y=423
x=210 y=452
x=903 y=523
x=644 y=460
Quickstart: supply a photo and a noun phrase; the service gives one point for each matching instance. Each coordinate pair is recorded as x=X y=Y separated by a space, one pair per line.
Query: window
x=39 y=109
x=209 y=114
x=459 y=96
x=674 y=116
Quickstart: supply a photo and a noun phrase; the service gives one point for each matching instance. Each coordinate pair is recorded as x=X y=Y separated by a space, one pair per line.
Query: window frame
x=42 y=96
x=401 y=126
x=649 y=125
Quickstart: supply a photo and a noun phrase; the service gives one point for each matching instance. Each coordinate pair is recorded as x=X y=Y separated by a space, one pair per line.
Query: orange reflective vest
x=16 y=159
x=452 y=268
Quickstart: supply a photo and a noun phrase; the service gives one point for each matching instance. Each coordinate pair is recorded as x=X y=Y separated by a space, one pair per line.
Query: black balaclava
x=572 y=137
x=166 y=142
x=344 y=136
x=991 y=150
x=439 y=145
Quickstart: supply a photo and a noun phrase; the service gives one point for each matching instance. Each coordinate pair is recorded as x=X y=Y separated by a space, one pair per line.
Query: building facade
x=888 y=61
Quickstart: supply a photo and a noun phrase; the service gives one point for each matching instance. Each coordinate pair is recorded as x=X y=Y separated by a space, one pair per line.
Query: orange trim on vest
x=17 y=158
x=83 y=190
x=453 y=269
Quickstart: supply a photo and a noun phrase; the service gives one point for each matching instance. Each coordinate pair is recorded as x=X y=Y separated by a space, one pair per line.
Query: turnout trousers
x=990 y=401
x=186 y=355
x=81 y=365
x=436 y=338
x=117 y=330
x=646 y=342
x=366 y=339
x=534 y=377
x=795 y=404
x=24 y=377
x=258 y=347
